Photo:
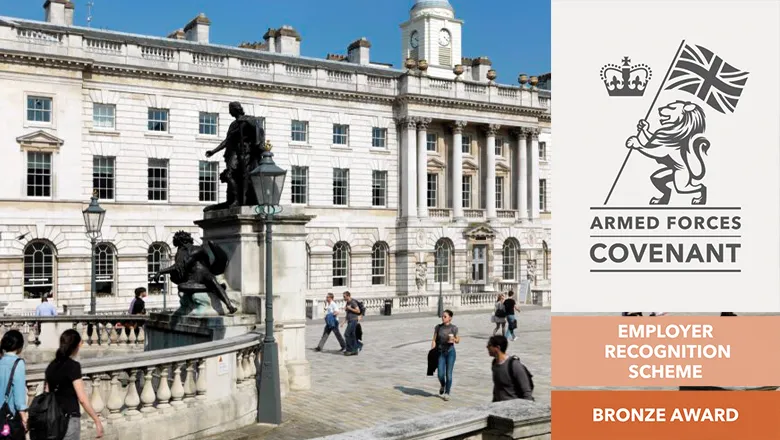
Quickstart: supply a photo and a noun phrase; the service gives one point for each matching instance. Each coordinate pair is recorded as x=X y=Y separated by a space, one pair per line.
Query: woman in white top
x=331 y=323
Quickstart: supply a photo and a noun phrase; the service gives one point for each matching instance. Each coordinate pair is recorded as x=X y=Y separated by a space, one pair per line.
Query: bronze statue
x=194 y=272
x=243 y=151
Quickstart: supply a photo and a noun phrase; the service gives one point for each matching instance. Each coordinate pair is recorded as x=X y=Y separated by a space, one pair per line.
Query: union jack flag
x=700 y=72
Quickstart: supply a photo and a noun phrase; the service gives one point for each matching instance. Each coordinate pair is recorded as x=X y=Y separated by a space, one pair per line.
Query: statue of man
x=243 y=151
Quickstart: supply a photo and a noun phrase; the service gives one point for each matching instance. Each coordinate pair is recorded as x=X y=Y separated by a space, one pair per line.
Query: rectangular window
x=157 y=178
x=104 y=116
x=38 y=174
x=208 y=181
x=208 y=123
x=543 y=150
x=379 y=188
x=39 y=109
x=379 y=137
x=433 y=180
x=466 y=144
x=340 y=134
x=103 y=177
x=158 y=120
x=431 y=142
x=299 y=185
x=499 y=147
x=299 y=131
x=340 y=187
x=466 y=192
x=543 y=195
x=500 y=192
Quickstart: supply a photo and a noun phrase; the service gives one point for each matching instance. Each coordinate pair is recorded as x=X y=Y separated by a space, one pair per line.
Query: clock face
x=414 y=40
x=444 y=37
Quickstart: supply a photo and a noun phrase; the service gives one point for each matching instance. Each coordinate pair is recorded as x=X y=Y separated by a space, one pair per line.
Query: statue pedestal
x=241 y=233
x=166 y=330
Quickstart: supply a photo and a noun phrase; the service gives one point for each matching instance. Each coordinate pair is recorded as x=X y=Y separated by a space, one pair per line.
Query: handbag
x=11 y=424
x=331 y=321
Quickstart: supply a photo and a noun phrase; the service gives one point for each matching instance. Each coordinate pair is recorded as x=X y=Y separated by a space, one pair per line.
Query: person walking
x=331 y=323
x=351 y=321
x=511 y=379
x=45 y=308
x=510 y=306
x=499 y=315
x=63 y=376
x=13 y=380
x=138 y=305
x=445 y=336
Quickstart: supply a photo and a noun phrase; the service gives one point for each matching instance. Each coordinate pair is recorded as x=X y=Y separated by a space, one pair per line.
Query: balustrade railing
x=379 y=81
x=102 y=46
x=441 y=84
x=207 y=60
x=298 y=71
x=97 y=330
x=473 y=213
x=506 y=214
x=342 y=77
x=255 y=66
x=157 y=53
x=439 y=212
x=39 y=37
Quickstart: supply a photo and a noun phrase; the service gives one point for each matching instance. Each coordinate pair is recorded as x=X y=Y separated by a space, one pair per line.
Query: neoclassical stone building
x=399 y=165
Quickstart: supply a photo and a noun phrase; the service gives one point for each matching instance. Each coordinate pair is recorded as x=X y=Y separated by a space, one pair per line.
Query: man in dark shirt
x=139 y=305
x=507 y=385
x=510 y=305
x=353 y=314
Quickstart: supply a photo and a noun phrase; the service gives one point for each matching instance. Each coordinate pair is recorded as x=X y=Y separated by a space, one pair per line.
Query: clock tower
x=433 y=34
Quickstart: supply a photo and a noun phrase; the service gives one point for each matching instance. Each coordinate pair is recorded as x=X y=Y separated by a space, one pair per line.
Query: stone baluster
x=163 y=390
x=177 y=390
x=32 y=332
x=123 y=335
x=147 y=394
x=189 y=382
x=96 y=400
x=94 y=336
x=84 y=332
x=252 y=360
x=245 y=366
x=132 y=399
x=115 y=400
x=140 y=338
x=32 y=391
x=107 y=328
x=131 y=338
x=201 y=386
x=239 y=367
x=112 y=329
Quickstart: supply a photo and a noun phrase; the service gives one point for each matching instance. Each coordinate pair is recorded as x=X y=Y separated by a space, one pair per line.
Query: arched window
x=379 y=259
x=341 y=264
x=509 y=262
x=157 y=257
x=39 y=269
x=546 y=267
x=105 y=269
x=443 y=261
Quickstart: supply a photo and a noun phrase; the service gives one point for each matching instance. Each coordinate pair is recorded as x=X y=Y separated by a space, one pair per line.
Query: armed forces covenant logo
x=675 y=230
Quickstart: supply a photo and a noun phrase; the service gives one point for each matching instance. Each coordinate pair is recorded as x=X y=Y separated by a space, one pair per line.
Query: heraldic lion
x=681 y=133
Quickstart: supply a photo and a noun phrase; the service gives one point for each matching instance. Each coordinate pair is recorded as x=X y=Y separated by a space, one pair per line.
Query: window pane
x=542 y=150
x=39 y=109
x=431 y=142
x=340 y=186
x=158 y=119
x=379 y=137
x=340 y=134
x=499 y=193
x=379 y=188
x=441 y=266
x=208 y=124
x=103 y=116
x=299 y=131
x=509 y=263
x=432 y=189
x=466 y=142
x=379 y=264
x=38 y=174
x=340 y=264
x=542 y=195
x=299 y=185
x=104 y=269
x=158 y=179
x=499 y=146
x=208 y=178
x=466 y=191
x=103 y=177
x=156 y=259
x=38 y=270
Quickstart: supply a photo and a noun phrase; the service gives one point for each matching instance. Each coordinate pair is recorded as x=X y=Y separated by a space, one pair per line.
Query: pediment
x=436 y=163
x=470 y=165
x=480 y=231
x=503 y=167
x=40 y=140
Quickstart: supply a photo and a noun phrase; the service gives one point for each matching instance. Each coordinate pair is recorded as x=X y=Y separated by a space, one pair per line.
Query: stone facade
x=134 y=115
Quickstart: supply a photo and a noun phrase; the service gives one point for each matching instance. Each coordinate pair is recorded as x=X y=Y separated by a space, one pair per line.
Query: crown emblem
x=626 y=80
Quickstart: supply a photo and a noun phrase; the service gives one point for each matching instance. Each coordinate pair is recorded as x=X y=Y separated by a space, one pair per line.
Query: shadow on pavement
x=414 y=391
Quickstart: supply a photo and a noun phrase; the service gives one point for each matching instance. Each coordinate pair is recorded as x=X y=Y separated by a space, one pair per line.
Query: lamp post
x=268 y=182
x=438 y=268
x=93 y=221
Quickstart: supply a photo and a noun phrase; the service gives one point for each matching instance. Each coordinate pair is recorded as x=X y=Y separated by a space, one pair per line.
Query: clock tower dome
x=432 y=33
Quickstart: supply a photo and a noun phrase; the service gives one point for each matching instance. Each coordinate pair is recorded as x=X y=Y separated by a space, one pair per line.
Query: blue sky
x=515 y=34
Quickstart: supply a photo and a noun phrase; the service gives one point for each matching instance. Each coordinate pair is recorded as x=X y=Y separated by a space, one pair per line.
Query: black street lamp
x=93 y=220
x=268 y=182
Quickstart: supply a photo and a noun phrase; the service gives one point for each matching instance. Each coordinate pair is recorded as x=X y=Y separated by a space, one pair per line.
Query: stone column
x=534 y=174
x=408 y=167
x=522 y=173
x=490 y=172
x=457 y=170
x=422 y=167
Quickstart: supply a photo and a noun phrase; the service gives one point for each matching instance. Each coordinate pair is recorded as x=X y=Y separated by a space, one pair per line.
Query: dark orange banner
x=667 y=415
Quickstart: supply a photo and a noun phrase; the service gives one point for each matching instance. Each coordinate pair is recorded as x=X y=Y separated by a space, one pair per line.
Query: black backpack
x=514 y=379
x=500 y=311
x=362 y=308
x=46 y=420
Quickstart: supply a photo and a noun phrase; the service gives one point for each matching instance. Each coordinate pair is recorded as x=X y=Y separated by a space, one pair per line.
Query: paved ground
x=388 y=381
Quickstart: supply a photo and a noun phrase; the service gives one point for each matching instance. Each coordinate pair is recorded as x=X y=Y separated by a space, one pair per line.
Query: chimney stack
x=479 y=69
x=197 y=30
x=284 y=41
x=55 y=12
x=358 y=52
x=70 y=8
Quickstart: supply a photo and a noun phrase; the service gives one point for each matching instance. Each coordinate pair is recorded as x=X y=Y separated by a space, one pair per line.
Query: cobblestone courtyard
x=388 y=381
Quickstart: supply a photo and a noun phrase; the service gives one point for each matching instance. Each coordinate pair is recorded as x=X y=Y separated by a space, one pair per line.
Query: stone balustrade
x=243 y=65
x=43 y=332
x=192 y=390
x=513 y=419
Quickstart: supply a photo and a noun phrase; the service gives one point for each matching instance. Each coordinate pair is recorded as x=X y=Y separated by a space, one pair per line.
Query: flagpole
x=658 y=93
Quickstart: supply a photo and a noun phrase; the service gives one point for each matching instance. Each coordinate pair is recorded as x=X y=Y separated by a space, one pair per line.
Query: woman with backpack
x=13 y=414
x=64 y=379
x=499 y=315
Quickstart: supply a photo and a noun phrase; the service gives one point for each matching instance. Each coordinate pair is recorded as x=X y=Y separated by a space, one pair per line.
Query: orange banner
x=619 y=351
x=667 y=415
